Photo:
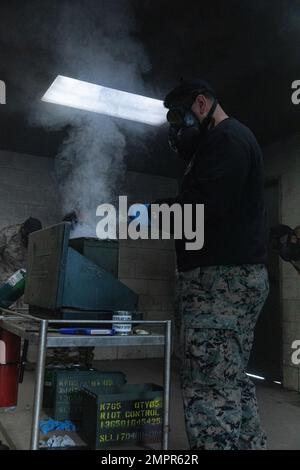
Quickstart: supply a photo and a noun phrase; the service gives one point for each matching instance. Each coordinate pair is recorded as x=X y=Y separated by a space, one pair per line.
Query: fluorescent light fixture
x=256 y=376
x=99 y=99
x=276 y=382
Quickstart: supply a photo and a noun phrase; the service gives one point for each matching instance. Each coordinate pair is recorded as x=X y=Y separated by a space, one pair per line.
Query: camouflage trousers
x=217 y=309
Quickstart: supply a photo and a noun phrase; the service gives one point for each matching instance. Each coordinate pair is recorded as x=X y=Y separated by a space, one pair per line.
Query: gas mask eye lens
x=180 y=117
x=175 y=117
x=190 y=119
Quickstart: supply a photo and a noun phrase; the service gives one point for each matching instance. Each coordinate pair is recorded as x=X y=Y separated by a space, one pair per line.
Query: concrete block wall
x=282 y=161
x=28 y=188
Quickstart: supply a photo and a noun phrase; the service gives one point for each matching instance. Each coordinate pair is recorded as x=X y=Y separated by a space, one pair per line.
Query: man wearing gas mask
x=221 y=288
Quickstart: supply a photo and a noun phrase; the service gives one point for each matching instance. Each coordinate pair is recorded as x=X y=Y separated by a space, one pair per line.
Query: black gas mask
x=292 y=250
x=186 y=131
x=30 y=225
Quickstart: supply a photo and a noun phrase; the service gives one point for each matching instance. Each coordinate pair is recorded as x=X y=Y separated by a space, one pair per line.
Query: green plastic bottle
x=13 y=288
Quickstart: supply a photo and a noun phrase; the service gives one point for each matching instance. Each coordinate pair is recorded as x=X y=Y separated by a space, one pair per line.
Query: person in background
x=71 y=217
x=222 y=287
x=13 y=246
x=286 y=241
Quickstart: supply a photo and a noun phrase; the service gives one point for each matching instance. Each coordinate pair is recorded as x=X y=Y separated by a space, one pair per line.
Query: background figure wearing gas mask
x=13 y=249
x=13 y=246
x=221 y=288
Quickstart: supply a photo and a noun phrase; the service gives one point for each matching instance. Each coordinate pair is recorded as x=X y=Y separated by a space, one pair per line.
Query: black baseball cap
x=187 y=91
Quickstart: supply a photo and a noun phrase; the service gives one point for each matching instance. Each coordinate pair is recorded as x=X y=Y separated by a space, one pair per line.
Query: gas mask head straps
x=207 y=120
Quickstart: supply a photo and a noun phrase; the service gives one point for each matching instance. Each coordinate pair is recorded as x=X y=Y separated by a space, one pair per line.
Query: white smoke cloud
x=93 y=41
x=90 y=167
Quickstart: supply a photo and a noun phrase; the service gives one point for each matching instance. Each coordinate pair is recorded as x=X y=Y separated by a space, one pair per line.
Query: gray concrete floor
x=280 y=409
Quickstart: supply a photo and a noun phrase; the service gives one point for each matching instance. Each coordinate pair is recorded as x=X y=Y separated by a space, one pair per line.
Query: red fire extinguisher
x=10 y=345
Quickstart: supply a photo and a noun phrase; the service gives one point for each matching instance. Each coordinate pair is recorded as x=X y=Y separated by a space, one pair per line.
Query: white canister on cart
x=122 y=328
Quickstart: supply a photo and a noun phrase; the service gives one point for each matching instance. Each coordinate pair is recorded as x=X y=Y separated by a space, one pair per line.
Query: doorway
x=266 y=356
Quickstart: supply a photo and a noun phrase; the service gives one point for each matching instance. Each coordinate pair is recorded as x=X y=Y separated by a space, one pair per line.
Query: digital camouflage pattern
x=217 y=309
x=12 y=251
x=13 y=255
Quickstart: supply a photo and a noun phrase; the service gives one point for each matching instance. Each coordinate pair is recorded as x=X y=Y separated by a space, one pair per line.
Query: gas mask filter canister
x=186 y=131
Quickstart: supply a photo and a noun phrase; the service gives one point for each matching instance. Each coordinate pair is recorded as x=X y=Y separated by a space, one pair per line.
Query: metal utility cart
x=38 y=331
x=73 y=281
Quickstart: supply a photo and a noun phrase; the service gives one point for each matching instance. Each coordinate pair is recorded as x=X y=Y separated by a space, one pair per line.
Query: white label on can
x=15 y=278
x=122 y=328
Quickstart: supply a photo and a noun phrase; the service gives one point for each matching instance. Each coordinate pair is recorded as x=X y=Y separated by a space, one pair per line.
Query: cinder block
x=22 y=194
x=17 y=177
x=290 y=289
x=167 y=265
x=25 y=161
x=290 y=332
x=161 y=287
x=127 y=270
x=155 y=352
x=159 y=315
x=291 y=378
x=147 y=264
x=149 y=302
x=166 y=245
x=291 y=310
x=131 y=352
x=288 y=271
x=275 y=164
x=290 y=214
x=290 y=187
x=27 y=189
x=130 y=244
x=161 y=303
x=287 y=356
x=42 y=178
x=168 y=302
x=7 y=212
x=126 y=253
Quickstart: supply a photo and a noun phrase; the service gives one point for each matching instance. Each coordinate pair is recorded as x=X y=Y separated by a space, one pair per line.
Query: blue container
x=60 y=277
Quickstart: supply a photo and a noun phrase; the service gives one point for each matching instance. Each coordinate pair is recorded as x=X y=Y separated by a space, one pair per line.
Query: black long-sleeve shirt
x=226 y=176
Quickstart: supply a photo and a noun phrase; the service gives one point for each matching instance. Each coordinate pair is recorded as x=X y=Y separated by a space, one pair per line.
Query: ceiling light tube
x=87 y=96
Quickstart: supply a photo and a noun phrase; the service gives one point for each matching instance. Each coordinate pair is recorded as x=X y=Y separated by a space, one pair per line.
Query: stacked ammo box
x=108 y=411
x=63 y=394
